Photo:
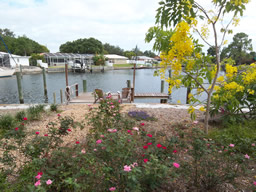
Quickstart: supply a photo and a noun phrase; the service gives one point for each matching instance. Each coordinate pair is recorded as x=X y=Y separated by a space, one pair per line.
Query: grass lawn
x=123 y=65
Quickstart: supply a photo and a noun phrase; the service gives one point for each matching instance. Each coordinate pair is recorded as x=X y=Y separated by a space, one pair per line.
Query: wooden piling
x=162 y=86
x=54 y=98
x=20 y=90
x=188 y=92
x=67 y=88
x=84 y=86
x=61 y=96
x=170 y=76
x=21 y=71
x=76 y=86
x=45 y=86
x=128 y=83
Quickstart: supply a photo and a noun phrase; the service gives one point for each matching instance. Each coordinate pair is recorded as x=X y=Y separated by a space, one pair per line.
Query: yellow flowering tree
x=189 y=66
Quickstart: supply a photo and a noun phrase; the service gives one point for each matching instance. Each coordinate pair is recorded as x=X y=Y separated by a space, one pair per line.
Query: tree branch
x=197 y=82
x=225 y=31
x=203 y=38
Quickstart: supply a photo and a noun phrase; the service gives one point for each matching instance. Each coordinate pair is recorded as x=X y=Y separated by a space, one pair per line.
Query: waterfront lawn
x=123 y=65
x=120 y=153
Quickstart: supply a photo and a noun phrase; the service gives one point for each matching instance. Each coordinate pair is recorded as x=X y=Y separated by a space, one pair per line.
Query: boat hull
x=6 y=72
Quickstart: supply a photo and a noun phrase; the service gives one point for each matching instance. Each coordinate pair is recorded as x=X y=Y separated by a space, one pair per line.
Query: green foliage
x=20 y=45
x=7 y=122
x=83 y=46
x=34 y=57
x=54 y=107
x=99 y=59
x=243 y=135
x=20 y=115
x=239 y=50
x=34 y=112
x=111 y=49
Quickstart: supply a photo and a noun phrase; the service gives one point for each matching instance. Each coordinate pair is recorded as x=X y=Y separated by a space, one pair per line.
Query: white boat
x=6 y=72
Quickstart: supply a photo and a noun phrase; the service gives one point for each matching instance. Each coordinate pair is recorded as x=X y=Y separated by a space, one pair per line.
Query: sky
x=122 y=23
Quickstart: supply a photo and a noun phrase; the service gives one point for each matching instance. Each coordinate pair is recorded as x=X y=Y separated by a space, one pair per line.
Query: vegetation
x=99 y=59
x=34 y=57
x=20 y=45
x=120 y=154
x=186 y=51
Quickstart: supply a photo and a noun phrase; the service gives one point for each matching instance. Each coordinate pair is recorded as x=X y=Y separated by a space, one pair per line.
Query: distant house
x=142 y=60
x=10 y=60
x=116 y=59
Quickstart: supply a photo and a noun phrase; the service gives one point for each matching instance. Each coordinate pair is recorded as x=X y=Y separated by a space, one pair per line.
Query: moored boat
x=6 y=72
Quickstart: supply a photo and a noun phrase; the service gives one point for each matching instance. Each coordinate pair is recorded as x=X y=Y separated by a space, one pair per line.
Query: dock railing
x=71 y=92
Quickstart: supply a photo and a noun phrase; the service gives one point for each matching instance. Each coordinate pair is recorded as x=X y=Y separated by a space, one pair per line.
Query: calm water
x=113 y=81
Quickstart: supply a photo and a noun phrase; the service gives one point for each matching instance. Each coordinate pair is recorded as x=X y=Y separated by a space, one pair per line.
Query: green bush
x=20 y=115
x=7 y=122
x=54 y=107
x=34 y=112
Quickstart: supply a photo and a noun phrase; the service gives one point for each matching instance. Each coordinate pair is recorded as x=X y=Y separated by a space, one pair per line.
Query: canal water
x=113 y=80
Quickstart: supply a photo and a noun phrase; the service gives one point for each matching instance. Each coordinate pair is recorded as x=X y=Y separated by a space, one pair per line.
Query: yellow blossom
x=250 y=91
x=191 y=109
x=202 y=109
x=178 y=102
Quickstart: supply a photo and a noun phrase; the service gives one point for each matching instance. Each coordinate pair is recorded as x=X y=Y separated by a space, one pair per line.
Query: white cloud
x=118 y=22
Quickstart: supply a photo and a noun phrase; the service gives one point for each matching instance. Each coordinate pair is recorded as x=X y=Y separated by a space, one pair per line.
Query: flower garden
x=120 y=153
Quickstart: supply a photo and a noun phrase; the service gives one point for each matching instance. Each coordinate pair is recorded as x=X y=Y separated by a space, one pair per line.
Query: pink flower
x=195 y=122
x=145 y=160
x=174 y=151
x=99 y=141
x=77 y=142
x=135 y=164
x=128 y=131
x=119 y=101
x=112 y=189
x=112 y=106
x=38 y=176
x=149 y=143
x=114 y=130
x=254 y=183
x=129 y=140
x=83 y=151
x=149 y=135
x=145 y=147
x=37 y=132
x=49 y=182
x=247 y=156
x=58 y=115
x=231 y=145
x=45 y=135
x=164 y=147
x=94 y=149
x=69 y=130
x=37 y=183
x=253 y=144
x=25 y=118
x=111 y=103
x=142 y=124
x=114 y=114
x=135 y=128
x=158 y=145
x=101 y=136
x=17 y=128
x=127 y=168
x=177 y=165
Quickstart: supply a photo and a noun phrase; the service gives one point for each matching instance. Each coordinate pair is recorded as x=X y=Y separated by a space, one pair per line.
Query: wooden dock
x=88 y=97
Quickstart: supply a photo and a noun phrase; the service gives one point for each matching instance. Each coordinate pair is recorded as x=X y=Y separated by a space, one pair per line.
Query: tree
x=82 y=46
x=7 y=32
x=239 y=49
x=111 y=49
x=149 y=53
x=211 y=52
x=129 y=54
x=185 y=50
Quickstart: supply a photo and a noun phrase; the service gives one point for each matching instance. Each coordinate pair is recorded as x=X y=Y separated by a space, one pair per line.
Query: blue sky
x=118 y=22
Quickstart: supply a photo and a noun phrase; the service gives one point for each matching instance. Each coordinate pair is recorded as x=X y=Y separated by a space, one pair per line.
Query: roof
x=113 y=56
x=4 y=53
x=65 y=55
x=145 y=58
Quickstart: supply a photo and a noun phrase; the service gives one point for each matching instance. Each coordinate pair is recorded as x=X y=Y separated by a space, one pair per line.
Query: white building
x=116 y=59
x=10 y=60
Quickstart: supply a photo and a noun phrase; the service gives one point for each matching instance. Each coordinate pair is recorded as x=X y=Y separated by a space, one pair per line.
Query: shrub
x=7 y=122
x=20 y=115
x=54 y=107
x=34 y=112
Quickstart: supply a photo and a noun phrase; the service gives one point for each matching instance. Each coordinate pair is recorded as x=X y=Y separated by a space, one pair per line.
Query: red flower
x=159 y=145
x=145 y=160
x=40 y=173
x=142 y=124
x=145 y=147
x=77 y=142
x=149 y=135
x=22 y=124
x=174 y=151
x=149 y=143
x=129 y=131
x=143 y=155
x=58 y=115
x=37 y=132
x=69 y=130
x=164 y=147
x=17 y=128
x=45 y=135
x=25 y=118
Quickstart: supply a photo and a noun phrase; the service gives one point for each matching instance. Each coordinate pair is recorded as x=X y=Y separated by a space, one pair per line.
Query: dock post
x=162 y=86
x=188 y=92
x=20 y=91
x=61 y=96
x=76 y=89
x=45 y=86
x=67 y=88
x=21 y=71
x=132 y=94
x=84 y=86
x=170 y=76
x=54 y=98
x=128 y=83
